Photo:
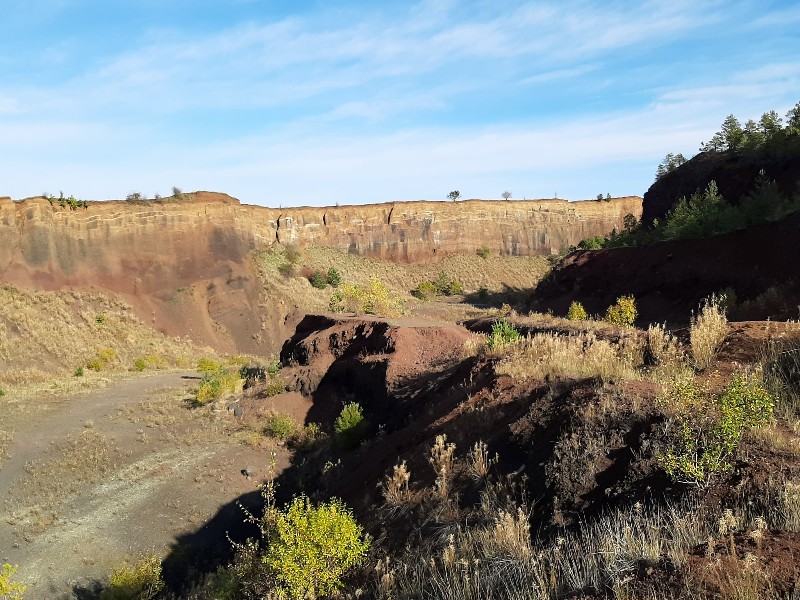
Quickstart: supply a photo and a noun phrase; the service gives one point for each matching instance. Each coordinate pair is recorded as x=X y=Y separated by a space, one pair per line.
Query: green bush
x=140 y=364
x=311 y=548
x=374 y=299
x=208 y=365
x=484 y=251
x=576 y=312
x=334 y=277
x=623 y=312
x=2 y=393
x=593 y=243
x=214 y=384
x=281 y=426
x=318 y=280
x=704 y=432
x=424 y=291
x=10 y=589
x=350 y=425
x=503 y=334
x=78 y=372
x=139 y=581
x=447 y=286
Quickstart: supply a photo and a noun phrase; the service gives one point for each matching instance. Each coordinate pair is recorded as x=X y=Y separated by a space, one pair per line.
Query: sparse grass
x=67 y=468
x=707 y=332
x=53 y=330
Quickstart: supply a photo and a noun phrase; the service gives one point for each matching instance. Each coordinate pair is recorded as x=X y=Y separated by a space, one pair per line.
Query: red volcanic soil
x=670 y=279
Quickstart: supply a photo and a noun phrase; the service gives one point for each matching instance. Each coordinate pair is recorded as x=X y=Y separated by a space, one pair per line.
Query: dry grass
x=60 y=331
x=666 y=354
x=584 y=355
x=707 y=332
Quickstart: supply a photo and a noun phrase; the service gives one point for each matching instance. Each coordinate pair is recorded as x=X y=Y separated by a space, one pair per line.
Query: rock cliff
x=145 y=252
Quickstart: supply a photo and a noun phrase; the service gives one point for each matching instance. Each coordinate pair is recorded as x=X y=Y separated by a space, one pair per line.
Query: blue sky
x=300 y=102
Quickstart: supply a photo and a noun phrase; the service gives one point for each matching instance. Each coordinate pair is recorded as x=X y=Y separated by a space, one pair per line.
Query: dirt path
x=115 y=473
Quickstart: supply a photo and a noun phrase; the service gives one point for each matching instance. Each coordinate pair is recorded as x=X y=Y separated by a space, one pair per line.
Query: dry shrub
x=395 y=487
x=582 y=355
x=664 y=352
x=707 y=332
x=479 y=463
x=441 y=459
x=509 y=537
x=781 y=369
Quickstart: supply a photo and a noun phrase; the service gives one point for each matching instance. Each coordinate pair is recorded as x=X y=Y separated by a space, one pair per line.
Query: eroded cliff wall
x=146 y=252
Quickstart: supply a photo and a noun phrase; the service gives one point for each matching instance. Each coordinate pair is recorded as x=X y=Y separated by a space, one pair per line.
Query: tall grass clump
x=781 y=365
x=504 y=334
x=664 y=353
x=707 y=332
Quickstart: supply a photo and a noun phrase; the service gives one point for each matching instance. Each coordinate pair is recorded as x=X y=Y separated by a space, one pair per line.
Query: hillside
x=188 y=268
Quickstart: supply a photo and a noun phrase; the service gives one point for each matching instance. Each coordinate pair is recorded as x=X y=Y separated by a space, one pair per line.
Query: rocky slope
x=186 y=266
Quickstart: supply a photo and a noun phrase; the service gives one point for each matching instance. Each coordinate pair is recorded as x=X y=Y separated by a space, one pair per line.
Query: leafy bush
x=318 y=280
x=593 y=243
x=704 y=432
x=334 y=277
x=10 y=589
x=447 y=286
x=2 y=393
x=503 y=334
x=576 y=312
x=140 y=364
x=139 y=581
x=623 y=312
x=311 y=548
x=350 y=425
x=484 y=251
x=281 y=426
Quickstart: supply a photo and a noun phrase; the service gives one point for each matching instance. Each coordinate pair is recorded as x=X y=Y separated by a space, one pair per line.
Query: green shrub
x=704 y=432
x=215 y=384
x=318 y=280
x=447 y=286
x=593 y=243
x=311 y=548
x=350 y=425
x=281 y=426
x=334 y=277
x=100 y=319
x=208 y=365
x=2 y=393
x=424 y=291
x=484 y=251
x=307 y=438
x=140 y=364
x=139 y=581
x=623 y=312
x=503 y=334
x=10 y=589
x=576 y=312
x=78 y=372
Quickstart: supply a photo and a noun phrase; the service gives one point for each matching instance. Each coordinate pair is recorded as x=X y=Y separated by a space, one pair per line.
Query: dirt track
x=115 y=473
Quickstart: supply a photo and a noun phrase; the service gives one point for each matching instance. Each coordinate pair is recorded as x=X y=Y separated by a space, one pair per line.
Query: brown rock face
x=185 y=266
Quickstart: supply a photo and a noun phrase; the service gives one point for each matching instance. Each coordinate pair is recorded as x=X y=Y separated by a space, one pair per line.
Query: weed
x=395 y=487
x=78 y=372
x=441 y=459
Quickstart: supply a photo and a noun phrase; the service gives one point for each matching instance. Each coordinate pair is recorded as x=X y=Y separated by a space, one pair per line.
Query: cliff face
x=146 y=252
